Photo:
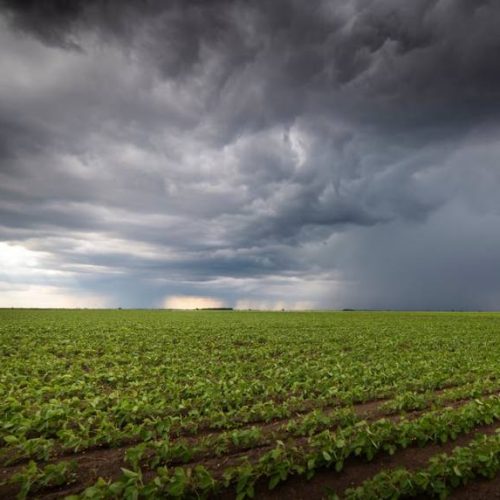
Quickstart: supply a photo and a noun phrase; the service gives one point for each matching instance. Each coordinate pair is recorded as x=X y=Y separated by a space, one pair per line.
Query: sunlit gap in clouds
x=192 y=302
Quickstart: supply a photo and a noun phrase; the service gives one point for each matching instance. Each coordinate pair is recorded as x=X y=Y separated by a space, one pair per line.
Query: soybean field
x=111 y=404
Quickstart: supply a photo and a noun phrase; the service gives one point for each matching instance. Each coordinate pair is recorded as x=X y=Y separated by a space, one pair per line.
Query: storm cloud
x=260 y=154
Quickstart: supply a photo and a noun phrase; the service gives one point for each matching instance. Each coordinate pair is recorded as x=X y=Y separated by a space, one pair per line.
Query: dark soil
x=479 y=490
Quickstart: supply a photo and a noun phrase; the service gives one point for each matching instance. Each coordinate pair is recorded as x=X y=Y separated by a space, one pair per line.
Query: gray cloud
x=324 y=153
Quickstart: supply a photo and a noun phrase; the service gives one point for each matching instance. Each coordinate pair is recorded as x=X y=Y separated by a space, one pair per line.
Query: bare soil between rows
x=480 y=489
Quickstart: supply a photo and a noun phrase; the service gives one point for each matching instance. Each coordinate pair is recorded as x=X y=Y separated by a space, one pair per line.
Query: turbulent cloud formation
x=254 y=154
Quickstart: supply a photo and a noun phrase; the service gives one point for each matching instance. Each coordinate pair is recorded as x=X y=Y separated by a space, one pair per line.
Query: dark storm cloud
x=182 y=144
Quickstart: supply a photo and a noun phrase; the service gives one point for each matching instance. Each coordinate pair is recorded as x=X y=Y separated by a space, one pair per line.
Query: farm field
x=225 y=404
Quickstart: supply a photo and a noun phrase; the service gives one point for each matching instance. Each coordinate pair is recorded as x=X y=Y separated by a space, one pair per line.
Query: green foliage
x=32 y=478
x=179 y=387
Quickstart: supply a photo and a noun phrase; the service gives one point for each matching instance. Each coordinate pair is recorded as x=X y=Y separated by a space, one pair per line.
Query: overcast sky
x=257 y=154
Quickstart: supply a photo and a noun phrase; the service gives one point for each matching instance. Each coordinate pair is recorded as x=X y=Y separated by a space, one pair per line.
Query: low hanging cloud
x=335 y=154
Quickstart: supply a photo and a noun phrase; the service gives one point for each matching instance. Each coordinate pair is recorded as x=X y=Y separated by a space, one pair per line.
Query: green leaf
x=129 y=473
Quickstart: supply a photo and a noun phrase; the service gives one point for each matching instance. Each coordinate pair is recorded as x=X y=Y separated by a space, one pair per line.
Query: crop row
x=412 y=401
x=481 y=458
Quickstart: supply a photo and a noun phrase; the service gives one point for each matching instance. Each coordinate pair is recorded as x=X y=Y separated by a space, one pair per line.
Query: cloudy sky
x=257 y=154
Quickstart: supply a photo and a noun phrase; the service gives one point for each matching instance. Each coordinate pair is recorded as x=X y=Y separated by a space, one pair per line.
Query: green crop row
x=410 y=401
x=33 y=478
x=443 y=474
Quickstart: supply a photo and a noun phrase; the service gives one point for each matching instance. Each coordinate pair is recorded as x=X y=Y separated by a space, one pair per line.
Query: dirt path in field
x=356 y=471
x=107 y=463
